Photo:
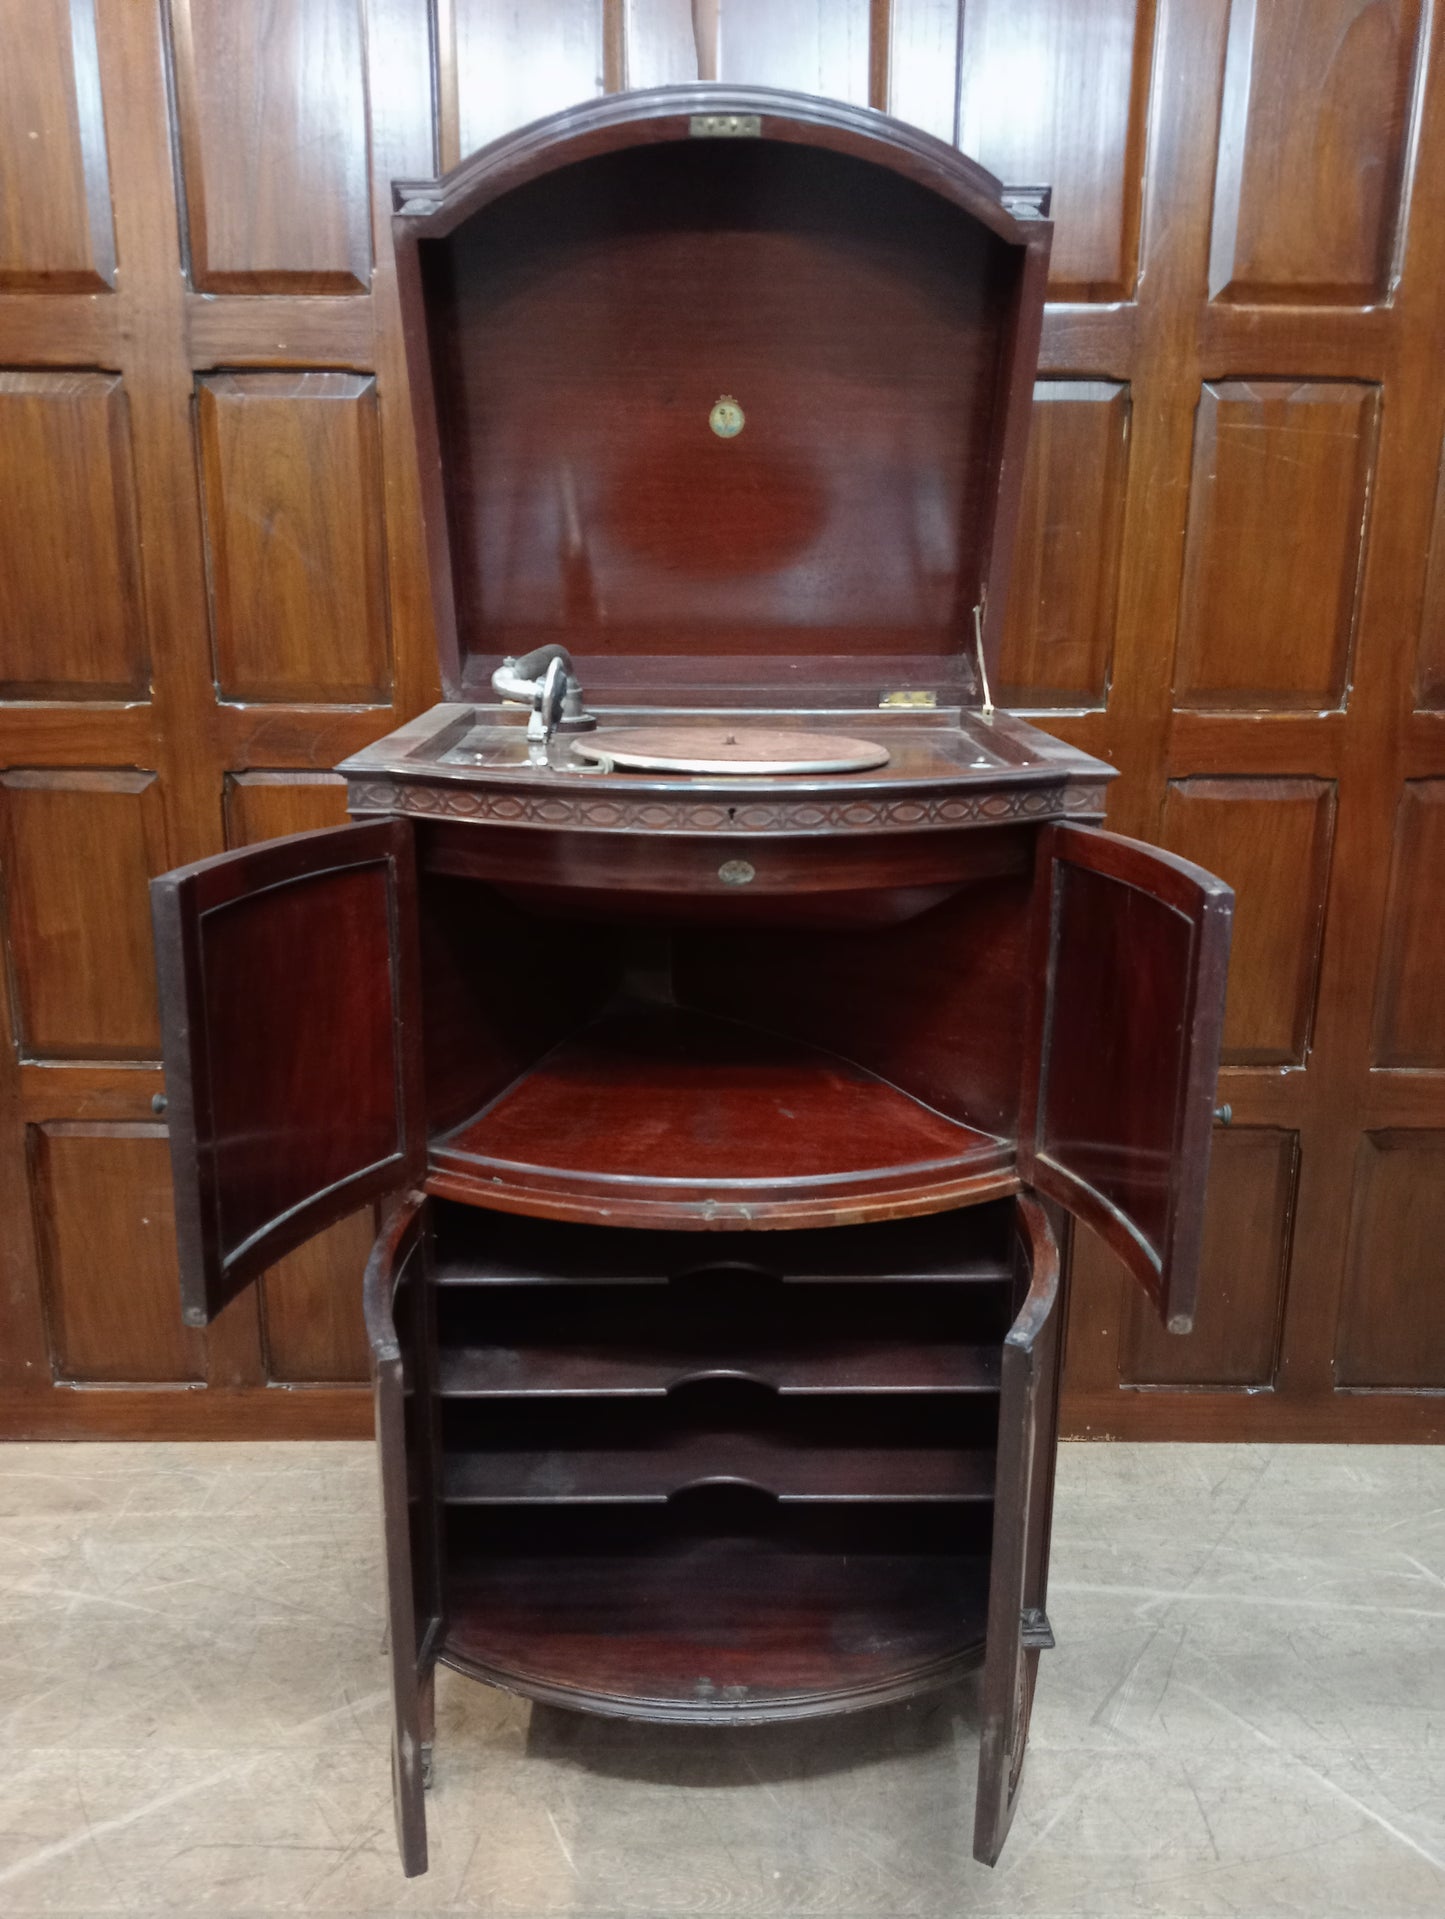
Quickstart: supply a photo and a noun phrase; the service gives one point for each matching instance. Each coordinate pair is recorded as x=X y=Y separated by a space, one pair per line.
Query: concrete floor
x=1245 y=1714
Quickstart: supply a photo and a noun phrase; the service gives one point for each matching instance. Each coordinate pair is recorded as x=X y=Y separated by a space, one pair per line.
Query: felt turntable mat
x=730 y=749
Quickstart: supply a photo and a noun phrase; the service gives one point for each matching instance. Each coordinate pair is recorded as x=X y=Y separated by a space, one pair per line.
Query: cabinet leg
x=427 y=1718
x=409 y=1804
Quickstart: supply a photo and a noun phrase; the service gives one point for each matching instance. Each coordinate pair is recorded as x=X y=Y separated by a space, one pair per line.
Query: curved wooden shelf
x=561 y=1370
x=685 y=1461
x=657 y=1116
x=725 y=1322
x=487 y=1250
x=718 y=1630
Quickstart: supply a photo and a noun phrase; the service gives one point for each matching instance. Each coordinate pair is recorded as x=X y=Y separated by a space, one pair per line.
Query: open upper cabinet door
x=1018 y=1626
x=397 y=1302
x=1131 y=950
x=288 y=973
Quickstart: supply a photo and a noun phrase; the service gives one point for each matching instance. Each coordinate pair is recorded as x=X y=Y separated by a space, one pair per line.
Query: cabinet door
x=398 y=1322
x=1018 y=1627
x=289 y=1014
x=1131 y=948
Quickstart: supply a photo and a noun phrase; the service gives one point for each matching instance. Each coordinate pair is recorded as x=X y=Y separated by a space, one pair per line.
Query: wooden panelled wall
x=1232 y=584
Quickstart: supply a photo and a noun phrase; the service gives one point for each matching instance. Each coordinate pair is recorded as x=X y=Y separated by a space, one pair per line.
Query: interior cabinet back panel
x=954 y=1042
x=806 y=532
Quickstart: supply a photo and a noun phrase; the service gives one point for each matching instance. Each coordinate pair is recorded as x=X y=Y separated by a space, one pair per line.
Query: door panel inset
x=1273 y=840
x=1314 y=128
x=1119 y=1086
x=287 y=973
x=1244 y=1269
x=1265 y=622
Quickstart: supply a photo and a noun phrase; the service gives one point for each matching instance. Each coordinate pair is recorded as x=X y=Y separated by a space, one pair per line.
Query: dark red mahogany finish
x=577 y=299
x=1125 y=926
x=282 y=1123
x=715 y=1323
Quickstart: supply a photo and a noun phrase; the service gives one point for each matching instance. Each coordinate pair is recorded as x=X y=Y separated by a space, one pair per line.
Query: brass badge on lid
x=726 y=418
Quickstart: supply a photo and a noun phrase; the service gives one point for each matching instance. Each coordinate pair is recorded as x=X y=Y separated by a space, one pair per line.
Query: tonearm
x=545 y=681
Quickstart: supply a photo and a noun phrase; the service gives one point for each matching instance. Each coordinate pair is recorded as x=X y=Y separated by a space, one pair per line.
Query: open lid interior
x=721 y=400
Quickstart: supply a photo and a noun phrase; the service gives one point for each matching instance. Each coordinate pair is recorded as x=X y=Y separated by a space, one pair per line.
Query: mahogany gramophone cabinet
x=722 y=996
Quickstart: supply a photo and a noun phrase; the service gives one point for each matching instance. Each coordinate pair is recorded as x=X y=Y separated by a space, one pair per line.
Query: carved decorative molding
x=590 y=811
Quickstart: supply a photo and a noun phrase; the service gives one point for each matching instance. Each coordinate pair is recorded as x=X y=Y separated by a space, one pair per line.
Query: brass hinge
x=910 y=696
x=1035 y=1631
x=725 y=126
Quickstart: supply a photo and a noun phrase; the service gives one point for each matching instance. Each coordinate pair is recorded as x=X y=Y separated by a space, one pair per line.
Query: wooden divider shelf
x=482 y=1248
x=690 y=1095
x=688 y=1460
x=833 y=1366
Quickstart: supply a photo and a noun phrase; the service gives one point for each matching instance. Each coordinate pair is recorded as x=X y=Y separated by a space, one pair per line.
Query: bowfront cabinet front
x=736 y=1398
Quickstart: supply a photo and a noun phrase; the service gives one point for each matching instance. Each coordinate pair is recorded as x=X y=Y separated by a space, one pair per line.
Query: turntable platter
x=729 y=750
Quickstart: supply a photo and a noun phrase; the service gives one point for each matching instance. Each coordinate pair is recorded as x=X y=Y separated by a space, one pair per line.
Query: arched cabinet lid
x=726 y=390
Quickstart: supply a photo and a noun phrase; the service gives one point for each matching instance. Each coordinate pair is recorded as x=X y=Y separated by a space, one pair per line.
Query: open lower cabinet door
x=288 y=974
x=1131 y=950
x=1018 y=1626
x=398 y=1303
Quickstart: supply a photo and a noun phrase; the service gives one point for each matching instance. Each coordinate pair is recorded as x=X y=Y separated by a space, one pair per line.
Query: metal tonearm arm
x=523 y=680
x=545 y=681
